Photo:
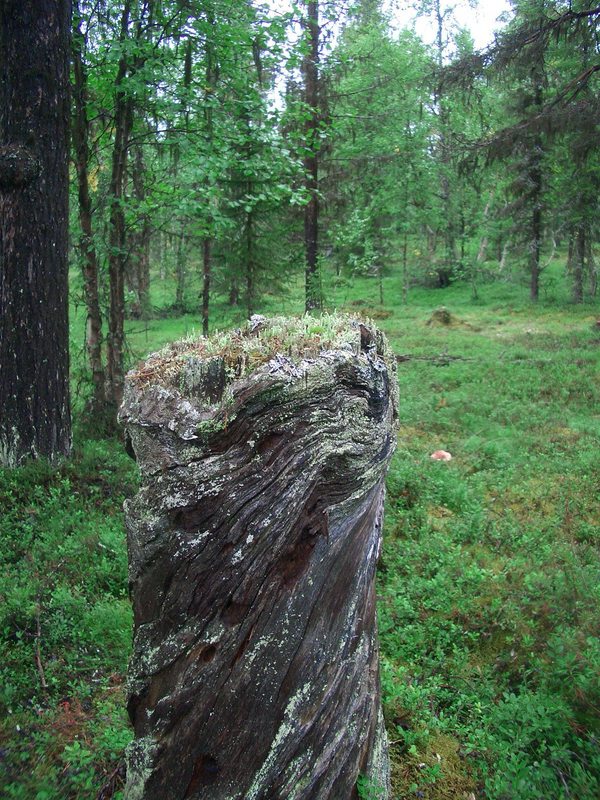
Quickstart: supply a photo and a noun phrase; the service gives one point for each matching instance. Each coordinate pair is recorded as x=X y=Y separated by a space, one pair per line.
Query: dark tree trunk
x=234 y=292
x=535 y=178
x=181 y=272
x=211 y=75
x=141 y=243
x=535 y=246
x=206 y=273
x=250 y=265
x=536 y=182
x=117 y=257
x=34 y=157
x=445 y=273
x=89 y=257
x=578 y=263
x=253 y=544
x=405 y=267
x=310 y=72
x=182 y=249
x=592 y=268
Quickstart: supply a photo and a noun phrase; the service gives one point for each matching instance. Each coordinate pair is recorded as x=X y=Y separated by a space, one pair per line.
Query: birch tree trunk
x=253 y=543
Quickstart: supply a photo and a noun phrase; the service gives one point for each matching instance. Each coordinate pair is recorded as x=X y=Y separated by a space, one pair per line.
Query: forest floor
x=489 y=584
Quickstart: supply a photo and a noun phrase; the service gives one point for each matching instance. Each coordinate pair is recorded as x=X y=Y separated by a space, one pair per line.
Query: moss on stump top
x=194 y=388
x=288 y=340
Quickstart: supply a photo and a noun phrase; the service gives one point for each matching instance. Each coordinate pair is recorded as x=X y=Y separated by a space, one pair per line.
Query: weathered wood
x=253 y=543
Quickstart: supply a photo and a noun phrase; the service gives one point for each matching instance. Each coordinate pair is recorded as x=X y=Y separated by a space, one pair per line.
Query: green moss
x=241 y=351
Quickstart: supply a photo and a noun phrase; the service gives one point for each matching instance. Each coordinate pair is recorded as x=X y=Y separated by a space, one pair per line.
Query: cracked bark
x=253 y=544
x=34 y=150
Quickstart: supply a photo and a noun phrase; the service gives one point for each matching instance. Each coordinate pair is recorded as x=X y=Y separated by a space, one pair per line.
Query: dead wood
x=253 y=543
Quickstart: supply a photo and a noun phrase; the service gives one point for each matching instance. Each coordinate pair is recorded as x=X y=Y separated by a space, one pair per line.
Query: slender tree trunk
x=445 y=155
x=206 y=271
x=117 y=258
x=34 y=157
x=211 y=82
x=405 y=268
x=80 y=130
x=570 y=251
x=579 y=263
x=250 y=265
x=163 y=248
x=535 y=243
x=182 y=244
x=310 y=71
x=503 y=258
x=535 y=176
x=141 y=256
x=181 y=269
x=592 y=268
x=482 y=252
x=234 y=292
x=534 y=254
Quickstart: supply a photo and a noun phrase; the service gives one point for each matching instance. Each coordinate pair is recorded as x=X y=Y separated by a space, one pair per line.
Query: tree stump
x=253 y=543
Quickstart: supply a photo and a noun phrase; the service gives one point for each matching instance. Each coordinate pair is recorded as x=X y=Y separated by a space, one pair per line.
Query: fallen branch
x=439 y=361
x=116 y=780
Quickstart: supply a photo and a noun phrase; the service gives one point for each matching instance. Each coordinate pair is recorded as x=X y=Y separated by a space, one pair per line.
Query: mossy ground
x=488 y=587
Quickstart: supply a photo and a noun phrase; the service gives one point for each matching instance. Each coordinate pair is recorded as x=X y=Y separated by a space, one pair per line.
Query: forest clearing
x=188 y=185
x=488 y=584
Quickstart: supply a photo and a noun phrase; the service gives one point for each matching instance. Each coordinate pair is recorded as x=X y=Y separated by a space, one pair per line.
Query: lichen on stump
x=252 y=545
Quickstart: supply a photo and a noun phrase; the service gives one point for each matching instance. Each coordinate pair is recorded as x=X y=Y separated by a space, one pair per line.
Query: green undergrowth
x=490 y=576
x=488 y=590
x=65 y=623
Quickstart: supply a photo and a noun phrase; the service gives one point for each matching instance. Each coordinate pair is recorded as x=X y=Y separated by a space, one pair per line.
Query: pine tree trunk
x=534 y=254
x=80 y=130
x=405 y=267
x=210 y=76
x=592 y=268
x=250 y=265
x=181 y=270
x=253 y=544
x=206 y=272
x=535 y=179
x=535 y=242
x=34 y=157
x=141 y=249
x=117 y=258
x=578 y=264
x=310 y=71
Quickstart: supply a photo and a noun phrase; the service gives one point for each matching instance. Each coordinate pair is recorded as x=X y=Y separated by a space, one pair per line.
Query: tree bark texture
x=34 y=157
x=253 y=543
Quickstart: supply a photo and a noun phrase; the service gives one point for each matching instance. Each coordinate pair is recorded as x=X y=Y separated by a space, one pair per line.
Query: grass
x=489 y=593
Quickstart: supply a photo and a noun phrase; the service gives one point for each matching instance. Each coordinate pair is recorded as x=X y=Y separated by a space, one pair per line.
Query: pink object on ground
x=441 y=455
